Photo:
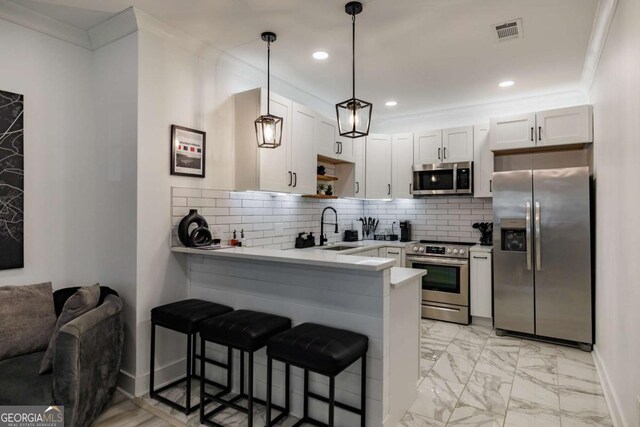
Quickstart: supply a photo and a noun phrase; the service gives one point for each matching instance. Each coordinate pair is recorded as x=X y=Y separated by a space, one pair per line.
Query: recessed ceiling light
x=391 y=103
x=506 y=83
x=320 y=55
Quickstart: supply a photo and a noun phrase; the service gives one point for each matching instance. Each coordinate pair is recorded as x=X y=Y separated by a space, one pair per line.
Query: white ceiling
x=426 y=54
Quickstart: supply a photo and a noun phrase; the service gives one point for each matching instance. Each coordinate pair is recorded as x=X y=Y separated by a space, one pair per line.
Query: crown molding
x=599 y=34
x=28 y=18
x=114 y=28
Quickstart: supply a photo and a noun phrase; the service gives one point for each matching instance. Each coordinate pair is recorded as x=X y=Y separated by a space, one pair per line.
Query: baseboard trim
x=163 y=376
x=609 y=393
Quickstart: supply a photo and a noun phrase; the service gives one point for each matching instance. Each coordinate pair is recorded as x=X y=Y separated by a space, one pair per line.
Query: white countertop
x=400 y=276
x=481 y=248
x=358 y=246
x=314 y=257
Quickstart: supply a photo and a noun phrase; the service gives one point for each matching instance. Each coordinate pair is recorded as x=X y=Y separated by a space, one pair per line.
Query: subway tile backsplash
x=274 y=221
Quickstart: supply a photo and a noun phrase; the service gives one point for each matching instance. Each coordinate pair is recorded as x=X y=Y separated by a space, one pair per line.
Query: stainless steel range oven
x=445 y=288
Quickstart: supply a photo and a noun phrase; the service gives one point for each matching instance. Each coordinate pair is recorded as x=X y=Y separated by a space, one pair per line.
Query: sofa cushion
x=60 y=296
x=20 y=383
x=28 y=319
x=84 y=300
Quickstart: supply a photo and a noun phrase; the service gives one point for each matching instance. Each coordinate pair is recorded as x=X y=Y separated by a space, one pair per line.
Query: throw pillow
x=27 y=317
x=84 y=300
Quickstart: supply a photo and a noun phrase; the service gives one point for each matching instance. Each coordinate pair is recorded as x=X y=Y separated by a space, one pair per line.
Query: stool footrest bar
x=338 y=404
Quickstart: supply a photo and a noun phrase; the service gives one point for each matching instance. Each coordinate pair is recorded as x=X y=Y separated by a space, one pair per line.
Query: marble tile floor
x=470 y=377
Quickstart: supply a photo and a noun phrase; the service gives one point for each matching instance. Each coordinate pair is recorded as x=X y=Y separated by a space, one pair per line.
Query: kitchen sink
x=337 y=248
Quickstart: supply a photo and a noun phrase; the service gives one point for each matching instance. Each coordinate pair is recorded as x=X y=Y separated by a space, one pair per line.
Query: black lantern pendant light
x=268 y=126
x=354 y=115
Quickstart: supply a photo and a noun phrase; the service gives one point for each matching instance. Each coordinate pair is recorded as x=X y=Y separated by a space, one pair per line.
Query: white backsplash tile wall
x=270 y=221
x=433 y=218
x=274 y=221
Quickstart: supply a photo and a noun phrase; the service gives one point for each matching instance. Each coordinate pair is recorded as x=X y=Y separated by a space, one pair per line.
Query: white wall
x=55 y=78
x=616 y=104
x=115 y=106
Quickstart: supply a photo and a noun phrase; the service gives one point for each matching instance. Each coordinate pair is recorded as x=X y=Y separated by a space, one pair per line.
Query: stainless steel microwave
x=443 y=178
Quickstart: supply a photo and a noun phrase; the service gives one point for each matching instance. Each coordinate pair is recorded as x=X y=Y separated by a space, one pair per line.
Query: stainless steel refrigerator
x=542 y=253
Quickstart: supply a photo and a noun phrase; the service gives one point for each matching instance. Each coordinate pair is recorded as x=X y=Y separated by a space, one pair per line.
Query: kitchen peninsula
x=363 y=294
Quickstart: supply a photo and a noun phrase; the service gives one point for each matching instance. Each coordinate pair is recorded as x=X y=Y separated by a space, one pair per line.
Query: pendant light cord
x=268 y=75
x=353 y=54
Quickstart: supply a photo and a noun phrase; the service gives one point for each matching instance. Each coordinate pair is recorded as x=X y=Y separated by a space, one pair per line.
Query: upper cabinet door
x=274 y=163
x=345 y=149
x=378 y=170
x=508 y=133
x=427 y=147
x=457 y=145
x=482 y=162
x=326 y=133
x=303 y=150
x=359 y=165
x=401 y=162
x=562 y=126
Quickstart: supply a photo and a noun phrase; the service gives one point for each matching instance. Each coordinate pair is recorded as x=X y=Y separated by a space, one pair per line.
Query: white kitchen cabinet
x=427 y=147
x=457 y=144
x=345 y=149
x=401 y=162
x=260 y=168
x=368 y=253
x=326 y=132
x=289 y=168
x=303 y=150
x=482 y=162
x=562 y=126
x=480 y=284
x=394 y=253
x=359 y=158
x=378 y=166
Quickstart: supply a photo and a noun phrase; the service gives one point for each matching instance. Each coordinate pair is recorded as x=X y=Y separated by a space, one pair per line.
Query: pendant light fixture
x=354 y=115
x=268 y=126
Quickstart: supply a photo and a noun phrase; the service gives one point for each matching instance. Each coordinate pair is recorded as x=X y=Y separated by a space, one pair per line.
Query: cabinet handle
x=479 y=257
x=337 y=147
x=389 y=192
x=393 y=253
x=340 y=147
x=410 y=188
x=357 y=187
x=295 y=179
x=539 y=133
x=439 y=153
x=445 y=152
x=490 y=186
x=290 y=178
x=532 y=133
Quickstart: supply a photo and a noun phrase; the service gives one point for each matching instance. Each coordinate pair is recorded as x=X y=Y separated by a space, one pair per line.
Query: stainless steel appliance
x=542 y=252
x=443 y=178
x=405 y=231
x=445 y=288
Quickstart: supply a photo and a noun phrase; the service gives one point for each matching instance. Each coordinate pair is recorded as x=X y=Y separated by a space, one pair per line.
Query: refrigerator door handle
x=527 y=216
x=538 y=241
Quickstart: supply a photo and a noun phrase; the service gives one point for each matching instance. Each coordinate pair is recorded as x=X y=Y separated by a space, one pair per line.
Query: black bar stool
x=183 y=316
x=247 y=331
x=323 y=350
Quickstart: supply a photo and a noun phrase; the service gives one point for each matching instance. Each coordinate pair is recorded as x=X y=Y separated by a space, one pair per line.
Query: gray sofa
x=86 y=363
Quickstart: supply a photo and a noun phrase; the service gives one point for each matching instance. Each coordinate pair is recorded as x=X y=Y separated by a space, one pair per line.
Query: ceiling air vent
x=510 y=30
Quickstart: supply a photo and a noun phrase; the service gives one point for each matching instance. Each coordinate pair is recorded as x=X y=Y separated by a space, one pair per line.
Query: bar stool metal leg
x=241 y=372
x=250 y=391
x=363 y=392
x=153 y=357
x=306 y=394
x=269 y=379
x=202 y=377
x=332 y=399
x=187 y=405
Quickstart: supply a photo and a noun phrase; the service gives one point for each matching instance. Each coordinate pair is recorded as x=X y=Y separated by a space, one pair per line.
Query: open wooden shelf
x=327 y=178
x=319 y=196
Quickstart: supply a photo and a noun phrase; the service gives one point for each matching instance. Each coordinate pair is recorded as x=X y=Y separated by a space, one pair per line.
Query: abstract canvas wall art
x=11 y=180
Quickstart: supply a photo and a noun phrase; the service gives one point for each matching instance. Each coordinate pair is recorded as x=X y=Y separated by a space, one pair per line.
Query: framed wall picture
x=11 y=180
x=187 y=151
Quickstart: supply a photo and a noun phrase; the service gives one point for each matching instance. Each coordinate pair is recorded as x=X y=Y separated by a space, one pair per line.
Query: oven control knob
x=415 y=249
x=448 y=251
x=461 y=251
x=455 y=251
x=421 y=249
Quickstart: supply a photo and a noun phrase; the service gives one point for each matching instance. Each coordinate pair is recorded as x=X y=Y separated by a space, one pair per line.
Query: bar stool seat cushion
x=318 y=348
x=244 y=329
x=185 y=316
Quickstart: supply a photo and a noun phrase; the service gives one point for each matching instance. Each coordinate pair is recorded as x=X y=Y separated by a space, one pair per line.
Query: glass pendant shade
x=268 y=127
x=354 y=118
x=269 y=131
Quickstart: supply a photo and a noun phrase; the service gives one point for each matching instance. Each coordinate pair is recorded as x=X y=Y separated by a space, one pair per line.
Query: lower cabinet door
x=480 y=284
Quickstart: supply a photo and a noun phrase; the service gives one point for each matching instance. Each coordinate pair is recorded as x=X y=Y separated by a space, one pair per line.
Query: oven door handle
x=436 y=260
